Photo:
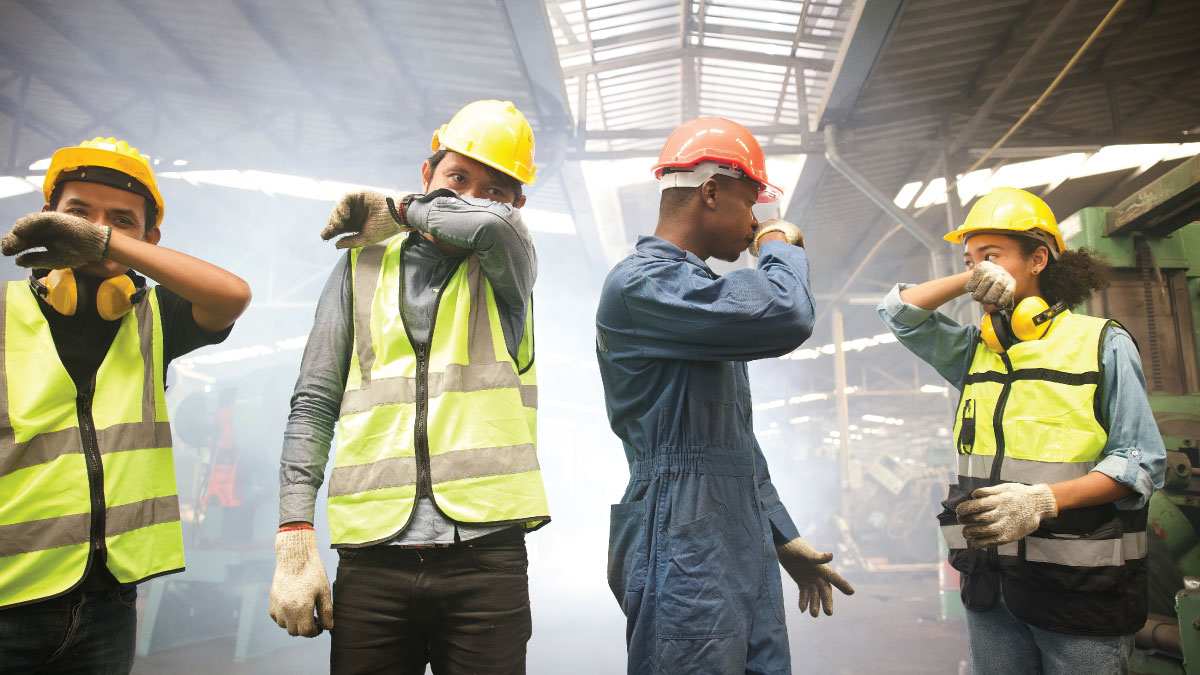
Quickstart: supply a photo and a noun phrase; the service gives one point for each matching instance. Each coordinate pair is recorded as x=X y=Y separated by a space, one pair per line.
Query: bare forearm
x=218 y=297
x=1090 y=490
x=935 y=293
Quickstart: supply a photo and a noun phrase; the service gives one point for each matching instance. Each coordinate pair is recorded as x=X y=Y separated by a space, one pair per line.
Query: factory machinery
x=1152 y=240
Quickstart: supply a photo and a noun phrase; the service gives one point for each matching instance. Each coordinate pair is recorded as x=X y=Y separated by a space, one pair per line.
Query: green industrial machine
x=1152 y=240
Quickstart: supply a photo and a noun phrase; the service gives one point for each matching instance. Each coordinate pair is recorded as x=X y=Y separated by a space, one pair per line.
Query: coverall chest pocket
x=627 y=549
x=693 y=602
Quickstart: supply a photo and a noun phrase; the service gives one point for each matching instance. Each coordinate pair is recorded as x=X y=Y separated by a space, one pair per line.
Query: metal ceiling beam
x=765 y=34
x=870 y=28
x=884 y=202
x=660 y=55
x=533 y=44
x=1157 y=93
x=1159 y=64
x=70 y=95
x=663 y=132
x=998 y=50
x=802 y=108
x=1014 y=74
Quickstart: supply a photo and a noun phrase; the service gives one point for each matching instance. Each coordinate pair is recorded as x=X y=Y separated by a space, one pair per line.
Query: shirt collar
x=661 y=248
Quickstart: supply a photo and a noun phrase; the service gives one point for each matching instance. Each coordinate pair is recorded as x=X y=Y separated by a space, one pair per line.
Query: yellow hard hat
x=106 y=153
x=1009 y=210
x=494 y=133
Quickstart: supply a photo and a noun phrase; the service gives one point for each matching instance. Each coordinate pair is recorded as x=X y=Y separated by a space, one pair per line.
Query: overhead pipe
x=860 y=181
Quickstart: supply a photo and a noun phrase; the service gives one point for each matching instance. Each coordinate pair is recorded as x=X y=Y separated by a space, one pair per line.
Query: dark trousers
x=463 y=609
x=80 y=633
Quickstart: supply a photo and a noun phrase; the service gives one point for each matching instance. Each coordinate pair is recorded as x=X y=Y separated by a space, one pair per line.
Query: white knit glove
x=792 y=233
x=816 y=580
x=367 y=216
x=300 y=585
x=991 y=284
x=1005 y=513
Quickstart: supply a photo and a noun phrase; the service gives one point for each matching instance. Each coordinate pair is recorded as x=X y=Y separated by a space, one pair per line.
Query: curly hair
x=1071 y=278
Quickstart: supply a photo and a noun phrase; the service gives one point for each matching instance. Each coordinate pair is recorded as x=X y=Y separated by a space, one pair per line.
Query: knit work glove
x=792 y=233
x=991 y=284
x=368 y=216
x=70 y=241
x=1004 y=513
x=300 y=585
x=807 y=567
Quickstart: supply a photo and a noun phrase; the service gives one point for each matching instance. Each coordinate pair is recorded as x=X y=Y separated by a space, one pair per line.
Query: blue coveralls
x=692 y=544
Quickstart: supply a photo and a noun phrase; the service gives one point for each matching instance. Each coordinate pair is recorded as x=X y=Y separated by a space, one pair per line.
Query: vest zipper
x=424 y=484
x=998 y=419
x=993 y=554
x=421 y=439
x=95 y=468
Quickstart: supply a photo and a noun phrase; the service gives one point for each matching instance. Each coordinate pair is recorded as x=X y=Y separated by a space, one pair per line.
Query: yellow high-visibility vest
x=455 y=419
x=1031 y=416
x=84 y=477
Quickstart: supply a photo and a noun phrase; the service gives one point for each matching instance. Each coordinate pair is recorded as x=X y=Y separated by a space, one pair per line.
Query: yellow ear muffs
x=114 y=298
x=997 y=333
x=58 y=290
x=62 y=290
x=1032 y=318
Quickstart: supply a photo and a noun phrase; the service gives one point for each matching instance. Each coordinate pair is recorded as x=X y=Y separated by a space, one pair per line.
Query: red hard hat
x=721 y=140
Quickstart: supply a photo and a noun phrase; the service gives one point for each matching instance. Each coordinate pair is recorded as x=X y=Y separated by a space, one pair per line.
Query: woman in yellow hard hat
x=1058 y=451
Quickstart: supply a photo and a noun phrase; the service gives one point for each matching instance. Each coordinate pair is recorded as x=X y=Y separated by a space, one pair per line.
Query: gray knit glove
x=300 y=584
x=793 y=234
x=366 y=216
x=70 y=241
x=1004 y=513
x=816 y=580
x=991 y=284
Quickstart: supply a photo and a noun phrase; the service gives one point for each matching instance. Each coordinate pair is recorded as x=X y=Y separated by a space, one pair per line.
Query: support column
x=843 y=407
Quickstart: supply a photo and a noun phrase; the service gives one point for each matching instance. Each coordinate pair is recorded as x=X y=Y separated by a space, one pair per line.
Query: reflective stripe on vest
x=46 y=525
x=1070 y=552
x=479 y=410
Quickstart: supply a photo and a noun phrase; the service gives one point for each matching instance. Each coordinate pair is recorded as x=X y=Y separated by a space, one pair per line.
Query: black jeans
x=463 y=609
x=81 y=633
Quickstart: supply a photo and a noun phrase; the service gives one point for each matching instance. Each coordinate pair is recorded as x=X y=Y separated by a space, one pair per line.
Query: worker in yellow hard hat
x=421 y=358
x=1058 y=451
x=88 y=506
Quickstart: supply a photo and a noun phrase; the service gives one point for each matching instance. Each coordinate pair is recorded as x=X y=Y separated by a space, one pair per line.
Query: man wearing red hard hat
x=696 y=539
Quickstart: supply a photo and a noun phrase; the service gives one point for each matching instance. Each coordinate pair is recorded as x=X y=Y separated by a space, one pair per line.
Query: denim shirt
x=496 y=235
x=672 y=339
x=1134 y=455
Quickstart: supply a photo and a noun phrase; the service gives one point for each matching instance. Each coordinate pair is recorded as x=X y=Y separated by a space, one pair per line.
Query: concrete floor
x=891 y=626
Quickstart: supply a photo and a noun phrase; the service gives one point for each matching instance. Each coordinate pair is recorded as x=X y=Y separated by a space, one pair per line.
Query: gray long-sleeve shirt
x=496 y=235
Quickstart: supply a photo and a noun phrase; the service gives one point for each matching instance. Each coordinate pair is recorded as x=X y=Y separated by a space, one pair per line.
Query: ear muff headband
x=61 y=289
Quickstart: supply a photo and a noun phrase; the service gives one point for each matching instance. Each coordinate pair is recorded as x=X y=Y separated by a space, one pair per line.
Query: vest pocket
x=1039 y=438
x=966 y=428
x=693 y=602
x=627 y=549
